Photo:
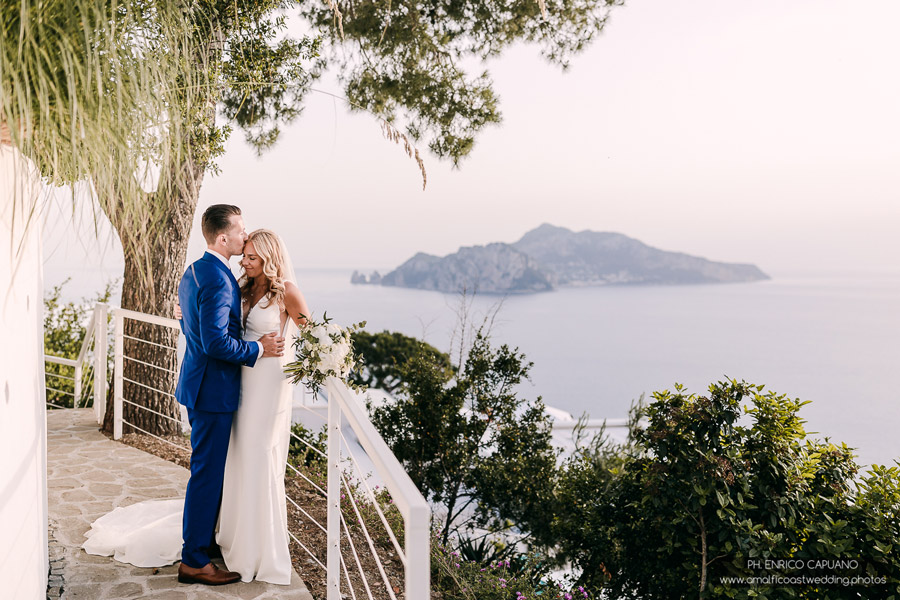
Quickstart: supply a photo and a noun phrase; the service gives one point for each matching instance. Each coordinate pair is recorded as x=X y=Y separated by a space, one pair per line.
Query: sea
x=832 y=338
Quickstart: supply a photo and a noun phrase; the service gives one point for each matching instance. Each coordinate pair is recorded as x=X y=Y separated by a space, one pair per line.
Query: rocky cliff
x=595 y=258
x=492 y=269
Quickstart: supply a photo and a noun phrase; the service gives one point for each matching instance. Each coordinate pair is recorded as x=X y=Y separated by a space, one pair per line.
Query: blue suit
x=209 y=385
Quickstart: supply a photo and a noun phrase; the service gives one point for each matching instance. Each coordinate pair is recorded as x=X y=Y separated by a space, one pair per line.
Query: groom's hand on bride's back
x=273 y=344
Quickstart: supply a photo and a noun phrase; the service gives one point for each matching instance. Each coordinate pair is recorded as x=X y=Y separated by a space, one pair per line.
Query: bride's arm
x=295 y=303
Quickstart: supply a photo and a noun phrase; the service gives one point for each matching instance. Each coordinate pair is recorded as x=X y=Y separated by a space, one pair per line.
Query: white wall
x=23 y=422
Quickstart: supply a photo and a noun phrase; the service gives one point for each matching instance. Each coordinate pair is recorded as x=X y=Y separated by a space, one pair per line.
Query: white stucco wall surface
x=23 y=422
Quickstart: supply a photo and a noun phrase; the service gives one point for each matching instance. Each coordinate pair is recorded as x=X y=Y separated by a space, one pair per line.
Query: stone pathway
x=87 y=476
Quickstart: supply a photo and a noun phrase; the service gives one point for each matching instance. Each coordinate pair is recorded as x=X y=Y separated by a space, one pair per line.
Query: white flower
x=320 y=334
x=341 y=350
x=328 y=362
x=326 y=350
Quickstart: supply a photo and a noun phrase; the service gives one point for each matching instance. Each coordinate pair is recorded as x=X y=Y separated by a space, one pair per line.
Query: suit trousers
x=210 y=433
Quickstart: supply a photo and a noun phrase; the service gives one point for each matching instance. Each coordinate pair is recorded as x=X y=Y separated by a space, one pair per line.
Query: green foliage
x=64 y=330
x=469 y=442
x=82 y=80
x=265 y=74
x=384 y=354
x=700 y=491
x=304 y=453
x=405 y=59
x=455 y=577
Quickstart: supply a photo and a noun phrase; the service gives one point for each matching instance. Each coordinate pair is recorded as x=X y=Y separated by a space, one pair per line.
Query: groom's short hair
x=217 y=219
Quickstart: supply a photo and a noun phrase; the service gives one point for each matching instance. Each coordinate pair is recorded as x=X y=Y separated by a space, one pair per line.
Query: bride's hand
x=178 y=314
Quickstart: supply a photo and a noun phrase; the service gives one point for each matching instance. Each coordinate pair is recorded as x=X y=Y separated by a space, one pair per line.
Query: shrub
x=699 y=497
x=469 y=443
x=384 y=354
x=64 y=330
x=453 y=577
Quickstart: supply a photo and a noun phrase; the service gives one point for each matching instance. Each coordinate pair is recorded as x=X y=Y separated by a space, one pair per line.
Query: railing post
x=333 y=556
x=117 y=386
x=418 y=553
x=77 y=385
x=100 y=348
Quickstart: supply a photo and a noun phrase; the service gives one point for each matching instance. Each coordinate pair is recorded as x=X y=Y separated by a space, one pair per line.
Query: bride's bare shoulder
x=291 y=290
x=292 y=295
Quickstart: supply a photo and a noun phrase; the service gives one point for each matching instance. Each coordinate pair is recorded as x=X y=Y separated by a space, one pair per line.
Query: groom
x=209 y=384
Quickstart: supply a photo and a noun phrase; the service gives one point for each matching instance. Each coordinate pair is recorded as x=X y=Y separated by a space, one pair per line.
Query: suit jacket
x=210 y=378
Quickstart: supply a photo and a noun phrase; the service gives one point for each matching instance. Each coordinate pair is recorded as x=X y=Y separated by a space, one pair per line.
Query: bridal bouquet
x=323 y=349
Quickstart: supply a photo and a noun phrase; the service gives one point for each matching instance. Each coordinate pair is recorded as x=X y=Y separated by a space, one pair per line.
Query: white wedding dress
x=252 y=527
x=253 y=520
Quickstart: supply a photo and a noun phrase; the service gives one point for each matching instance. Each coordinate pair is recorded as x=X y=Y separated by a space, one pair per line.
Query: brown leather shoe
x=208 y=575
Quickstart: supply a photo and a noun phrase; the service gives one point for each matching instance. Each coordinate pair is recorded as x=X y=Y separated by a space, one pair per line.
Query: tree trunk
x=154 y=232
x=150 y=285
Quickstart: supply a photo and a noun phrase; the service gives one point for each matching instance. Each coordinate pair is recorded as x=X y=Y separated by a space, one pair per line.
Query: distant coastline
x=550 y=257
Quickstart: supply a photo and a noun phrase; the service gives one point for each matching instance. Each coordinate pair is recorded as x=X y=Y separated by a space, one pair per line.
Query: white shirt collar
x=220 y=257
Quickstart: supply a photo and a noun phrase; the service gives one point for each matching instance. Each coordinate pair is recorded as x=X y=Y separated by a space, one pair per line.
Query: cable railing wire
x=362 y=573
x=343 y=412
x=59 y=375
x=152 y=389
x=308 y=551
x=137 y=339
x=310 y=481
x=148 y=409
x=308 y=516
x=368 y=537
x=162 y=439
x=132 y=359
x=311 y=447
x=65 y=393
x=347 y=577
x=372 y=498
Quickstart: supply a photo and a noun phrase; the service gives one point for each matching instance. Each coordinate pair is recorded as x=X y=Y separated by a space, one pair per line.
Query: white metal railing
x=416 y=513
x=119 y=379
x=95 y=334
x=346 y=419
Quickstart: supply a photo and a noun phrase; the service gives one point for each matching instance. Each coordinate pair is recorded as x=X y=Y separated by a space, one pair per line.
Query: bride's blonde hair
x=271 y=251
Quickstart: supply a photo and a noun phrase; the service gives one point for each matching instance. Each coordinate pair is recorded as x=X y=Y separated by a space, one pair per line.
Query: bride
x=252 y=523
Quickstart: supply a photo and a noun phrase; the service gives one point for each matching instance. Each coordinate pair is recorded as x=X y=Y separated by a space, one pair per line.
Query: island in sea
x=549 y=257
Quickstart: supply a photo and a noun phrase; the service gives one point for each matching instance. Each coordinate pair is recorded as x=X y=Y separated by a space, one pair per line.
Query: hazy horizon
x=762 y=133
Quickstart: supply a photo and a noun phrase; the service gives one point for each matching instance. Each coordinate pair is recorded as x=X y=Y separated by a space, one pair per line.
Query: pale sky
x=764 y=132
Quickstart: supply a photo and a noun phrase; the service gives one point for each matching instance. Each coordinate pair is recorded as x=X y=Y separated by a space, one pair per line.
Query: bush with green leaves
x=382 y=356
x=454 y=577
x=701 y=495
x=65 y=325
x=470 y=444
